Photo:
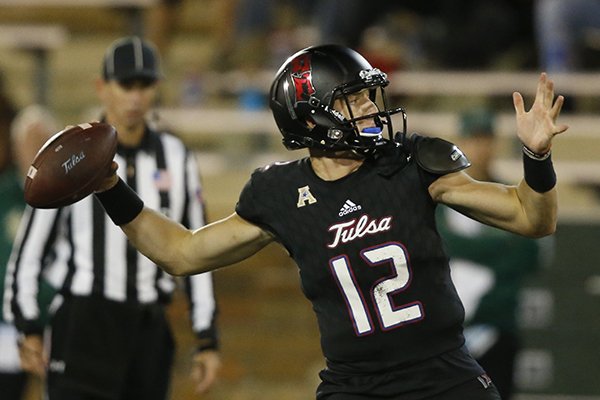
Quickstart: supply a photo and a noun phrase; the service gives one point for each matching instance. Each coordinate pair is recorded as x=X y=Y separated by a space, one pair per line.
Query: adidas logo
x=348 y=207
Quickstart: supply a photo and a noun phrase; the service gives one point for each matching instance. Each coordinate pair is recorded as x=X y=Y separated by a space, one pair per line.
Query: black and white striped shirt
x=82 y=253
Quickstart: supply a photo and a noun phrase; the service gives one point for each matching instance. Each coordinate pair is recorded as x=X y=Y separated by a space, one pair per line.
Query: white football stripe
x=85 y=125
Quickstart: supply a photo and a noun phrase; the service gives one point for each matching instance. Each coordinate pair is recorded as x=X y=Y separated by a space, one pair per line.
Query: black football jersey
x=370 y=257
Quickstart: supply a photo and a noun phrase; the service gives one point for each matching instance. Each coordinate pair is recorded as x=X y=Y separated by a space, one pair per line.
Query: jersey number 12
x=389 y=315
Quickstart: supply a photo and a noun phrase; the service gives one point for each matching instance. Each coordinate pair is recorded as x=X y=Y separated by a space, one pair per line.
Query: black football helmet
x=305 y=88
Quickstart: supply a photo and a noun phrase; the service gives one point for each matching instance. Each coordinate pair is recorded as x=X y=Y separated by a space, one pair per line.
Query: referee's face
x=127 y=102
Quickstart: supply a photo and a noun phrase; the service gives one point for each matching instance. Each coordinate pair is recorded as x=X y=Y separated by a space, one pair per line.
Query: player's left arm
x=517 y=209
x=529 y=208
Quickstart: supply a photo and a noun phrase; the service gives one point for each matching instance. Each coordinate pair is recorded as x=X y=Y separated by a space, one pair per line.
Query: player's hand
x=33 y=357
x=205 y=365
x=110 y=180
x=537 y=127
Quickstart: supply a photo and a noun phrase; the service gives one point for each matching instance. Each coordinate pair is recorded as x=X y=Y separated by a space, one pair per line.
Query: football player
x=358 y=218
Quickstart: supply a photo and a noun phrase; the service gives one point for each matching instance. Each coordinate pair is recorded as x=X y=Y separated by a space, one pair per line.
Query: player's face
x=127 y=102
x=360 y=104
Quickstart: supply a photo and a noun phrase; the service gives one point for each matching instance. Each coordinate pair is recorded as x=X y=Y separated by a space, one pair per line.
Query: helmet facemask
x=343 y=133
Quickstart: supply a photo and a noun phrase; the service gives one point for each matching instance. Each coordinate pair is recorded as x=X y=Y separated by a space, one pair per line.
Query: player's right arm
x=176 y=249
x=180 y=251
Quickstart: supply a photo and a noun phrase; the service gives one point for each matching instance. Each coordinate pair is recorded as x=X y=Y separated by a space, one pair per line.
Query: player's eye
x=356 y=97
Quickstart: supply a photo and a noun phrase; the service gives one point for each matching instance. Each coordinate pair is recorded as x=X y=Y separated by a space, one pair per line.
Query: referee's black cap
x=131 y=58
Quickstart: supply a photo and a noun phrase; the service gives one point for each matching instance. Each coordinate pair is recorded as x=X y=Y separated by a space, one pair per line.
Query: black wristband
x=539 y=171
x=121 y=203
x=207 y=344
x=205 y=347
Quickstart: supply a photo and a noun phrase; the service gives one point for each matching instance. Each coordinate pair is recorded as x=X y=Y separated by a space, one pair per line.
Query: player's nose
x=367 y=106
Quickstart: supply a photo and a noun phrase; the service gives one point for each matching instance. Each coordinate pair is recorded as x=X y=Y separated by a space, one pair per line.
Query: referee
x=109 y=337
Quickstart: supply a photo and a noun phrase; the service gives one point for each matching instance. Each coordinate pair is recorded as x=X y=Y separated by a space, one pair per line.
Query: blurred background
x=443 y=57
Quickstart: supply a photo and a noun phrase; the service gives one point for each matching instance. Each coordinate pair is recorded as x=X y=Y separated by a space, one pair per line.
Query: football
x=70 y=165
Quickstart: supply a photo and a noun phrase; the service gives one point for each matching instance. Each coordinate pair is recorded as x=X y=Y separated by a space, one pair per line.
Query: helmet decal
x=301 y=72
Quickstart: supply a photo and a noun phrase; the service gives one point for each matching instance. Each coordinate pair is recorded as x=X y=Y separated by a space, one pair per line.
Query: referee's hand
x=33 y=357
x=205 y=365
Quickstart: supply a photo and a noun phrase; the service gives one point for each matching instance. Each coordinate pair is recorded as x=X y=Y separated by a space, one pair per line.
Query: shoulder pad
x=438 y=156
